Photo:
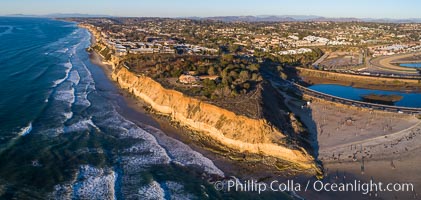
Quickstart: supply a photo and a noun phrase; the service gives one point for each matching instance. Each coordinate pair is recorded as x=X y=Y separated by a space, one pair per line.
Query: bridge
x=327 y=97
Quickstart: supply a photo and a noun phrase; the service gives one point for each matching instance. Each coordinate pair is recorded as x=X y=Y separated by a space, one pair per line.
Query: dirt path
x=384 y=63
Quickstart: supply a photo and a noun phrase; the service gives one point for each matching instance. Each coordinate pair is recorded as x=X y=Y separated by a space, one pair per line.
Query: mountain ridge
x=244 y=18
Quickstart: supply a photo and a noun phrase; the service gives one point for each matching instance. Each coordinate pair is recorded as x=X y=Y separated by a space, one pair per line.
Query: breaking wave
x=26 y=130
x=68 y=67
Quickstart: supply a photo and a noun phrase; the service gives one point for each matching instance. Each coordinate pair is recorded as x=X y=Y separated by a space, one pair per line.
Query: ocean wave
x=89 y=183
x=25 y=130
x=74 y=77
x=75 y=32
x=68 y=67
x=183 y=154
x=159 y=144
x=69 y=97
x=152 y=191
x=68 y=115
x=7 y=31
x=158 y=147
x=73 y=49
x=64 y=50
x=86 y=86
x=52 y=132
x=62 y=42
x=176 y=191
x=66 y=95
x=82 y=95
x=81 y=126
x=88 y=77
x=82 y=100
x=140 y=155
x=146 y=159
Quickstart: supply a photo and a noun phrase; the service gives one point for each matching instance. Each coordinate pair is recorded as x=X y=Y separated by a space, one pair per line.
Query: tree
x=226 y=59
x=254 y=77
x=209 y=87
x=234 y=74
x=246 y=86
x=224 y=73
x=244 y=75
x=222 y=91
x=201 y=69
x=254 y=67
x=176 y=72
x=211 y=71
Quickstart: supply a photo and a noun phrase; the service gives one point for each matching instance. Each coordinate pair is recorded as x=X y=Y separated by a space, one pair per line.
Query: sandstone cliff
x=234 y=131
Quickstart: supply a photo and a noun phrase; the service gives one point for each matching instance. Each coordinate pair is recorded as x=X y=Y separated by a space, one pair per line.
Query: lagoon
x=349 y=92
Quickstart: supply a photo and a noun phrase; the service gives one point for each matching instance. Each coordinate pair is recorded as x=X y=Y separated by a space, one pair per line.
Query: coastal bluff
x=235 y=131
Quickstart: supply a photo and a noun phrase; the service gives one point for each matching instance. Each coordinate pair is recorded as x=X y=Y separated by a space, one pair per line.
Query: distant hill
x=298 y=18
x=68 y=15
x=249 y=18
x=260 y=18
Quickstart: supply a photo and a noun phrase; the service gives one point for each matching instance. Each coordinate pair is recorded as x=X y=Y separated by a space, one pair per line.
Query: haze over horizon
x=188 y=8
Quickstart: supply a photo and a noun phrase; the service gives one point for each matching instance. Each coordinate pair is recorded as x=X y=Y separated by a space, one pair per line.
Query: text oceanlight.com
x=235 y=185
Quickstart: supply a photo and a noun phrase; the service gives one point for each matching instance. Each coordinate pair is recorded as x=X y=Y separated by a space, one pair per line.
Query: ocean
x=62 y=135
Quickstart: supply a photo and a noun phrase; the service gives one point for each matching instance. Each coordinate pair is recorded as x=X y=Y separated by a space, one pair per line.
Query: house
x=121 y=52
x=188 y=79
x=142 y=51
x=167 y=50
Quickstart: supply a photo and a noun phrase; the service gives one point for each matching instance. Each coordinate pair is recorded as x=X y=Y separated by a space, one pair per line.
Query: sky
x=397 y=9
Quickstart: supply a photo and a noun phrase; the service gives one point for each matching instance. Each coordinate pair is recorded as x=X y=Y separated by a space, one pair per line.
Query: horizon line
x=203 y=17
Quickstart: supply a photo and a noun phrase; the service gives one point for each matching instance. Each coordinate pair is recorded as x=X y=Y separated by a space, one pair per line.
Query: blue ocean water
x=62 y=133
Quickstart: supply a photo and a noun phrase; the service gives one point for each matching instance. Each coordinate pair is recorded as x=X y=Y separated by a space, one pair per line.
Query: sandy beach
x=356 y=143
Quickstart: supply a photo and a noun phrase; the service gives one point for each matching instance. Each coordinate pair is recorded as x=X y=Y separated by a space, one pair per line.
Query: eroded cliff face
x=234 y=131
